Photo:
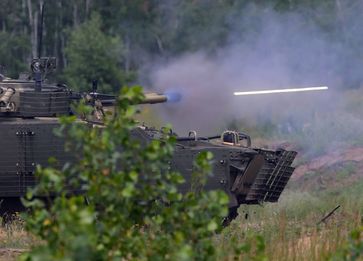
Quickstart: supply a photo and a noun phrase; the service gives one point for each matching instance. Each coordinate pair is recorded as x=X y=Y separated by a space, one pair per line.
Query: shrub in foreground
x=130 y=207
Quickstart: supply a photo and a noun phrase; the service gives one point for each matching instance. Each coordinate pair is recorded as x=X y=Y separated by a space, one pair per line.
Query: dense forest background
x=110 y=40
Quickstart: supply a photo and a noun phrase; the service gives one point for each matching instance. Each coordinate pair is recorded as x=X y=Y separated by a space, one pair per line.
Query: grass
x=13 y=234
x=289 y=229
x=14 y=240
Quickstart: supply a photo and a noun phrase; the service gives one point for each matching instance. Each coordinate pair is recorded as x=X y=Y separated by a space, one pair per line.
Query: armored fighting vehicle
x=29 y=111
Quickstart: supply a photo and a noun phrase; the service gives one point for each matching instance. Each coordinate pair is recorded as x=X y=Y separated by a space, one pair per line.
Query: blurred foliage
x=353 y=249
x=130 y=207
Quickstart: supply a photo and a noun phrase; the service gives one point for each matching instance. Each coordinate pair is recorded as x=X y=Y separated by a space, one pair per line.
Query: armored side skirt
x=24 y=143
x=247 y=175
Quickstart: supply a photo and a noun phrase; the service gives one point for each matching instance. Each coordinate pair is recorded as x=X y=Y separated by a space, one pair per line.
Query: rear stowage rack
x=272 y=178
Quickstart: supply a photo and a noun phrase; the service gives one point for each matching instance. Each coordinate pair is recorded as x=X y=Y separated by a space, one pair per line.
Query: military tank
x=29 y=111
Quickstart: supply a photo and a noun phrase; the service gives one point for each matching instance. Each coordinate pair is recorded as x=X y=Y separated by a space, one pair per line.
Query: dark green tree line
x=148 y=29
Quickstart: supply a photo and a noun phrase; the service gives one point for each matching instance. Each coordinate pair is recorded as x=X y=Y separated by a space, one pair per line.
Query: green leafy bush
x=353 y=249
x=130 y=207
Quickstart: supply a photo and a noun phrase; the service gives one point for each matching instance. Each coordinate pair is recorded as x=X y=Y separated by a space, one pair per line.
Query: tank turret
x=32 y=97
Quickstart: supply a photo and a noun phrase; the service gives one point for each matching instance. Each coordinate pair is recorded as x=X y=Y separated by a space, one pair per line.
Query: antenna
x=41 y=64
x=40 y=36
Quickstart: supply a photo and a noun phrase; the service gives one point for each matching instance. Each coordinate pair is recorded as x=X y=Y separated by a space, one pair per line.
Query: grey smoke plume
x=283 y=51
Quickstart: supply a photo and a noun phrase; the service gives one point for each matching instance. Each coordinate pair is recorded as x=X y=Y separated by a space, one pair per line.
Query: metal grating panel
x=272 y=178
x=42 y=104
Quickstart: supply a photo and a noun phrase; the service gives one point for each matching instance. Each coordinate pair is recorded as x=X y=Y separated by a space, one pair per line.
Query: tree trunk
x=88 y=6
x=75 y=15
x=62 y=41
x=56 y=37
x=33 y=24
x=64 y=59
x=127 y=53
x=159 y=43
x=43 y=28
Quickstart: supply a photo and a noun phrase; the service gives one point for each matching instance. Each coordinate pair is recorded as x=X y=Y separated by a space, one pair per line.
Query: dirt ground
x=330 y=163
x=9 y=254
x=328 y=160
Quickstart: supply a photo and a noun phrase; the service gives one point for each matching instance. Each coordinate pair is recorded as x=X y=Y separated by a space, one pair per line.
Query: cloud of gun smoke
x=284 y=51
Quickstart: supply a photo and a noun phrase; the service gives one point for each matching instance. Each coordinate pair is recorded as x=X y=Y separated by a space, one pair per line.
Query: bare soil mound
x=326 y=161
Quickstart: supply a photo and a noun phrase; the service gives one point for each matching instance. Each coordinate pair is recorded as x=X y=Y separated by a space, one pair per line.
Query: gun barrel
x=109 y=100
x=152 y=98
